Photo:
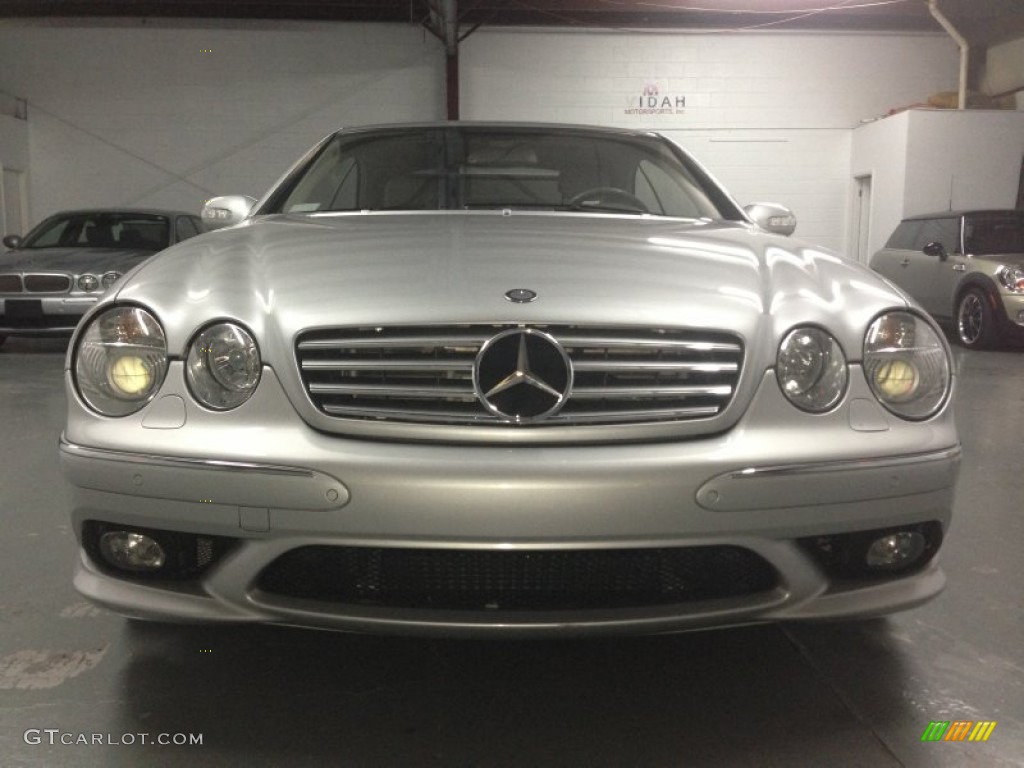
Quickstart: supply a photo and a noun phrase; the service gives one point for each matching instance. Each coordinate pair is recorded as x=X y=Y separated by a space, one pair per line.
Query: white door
x=861 y=224
x=13 y=205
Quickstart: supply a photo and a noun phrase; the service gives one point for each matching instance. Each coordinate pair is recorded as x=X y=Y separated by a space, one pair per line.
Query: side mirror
x=12 y=241
x=772 y=217
x=936 y=249
x=227 y=210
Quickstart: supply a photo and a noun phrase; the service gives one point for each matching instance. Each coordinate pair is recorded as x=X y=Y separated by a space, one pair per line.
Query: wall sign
x=653 y=101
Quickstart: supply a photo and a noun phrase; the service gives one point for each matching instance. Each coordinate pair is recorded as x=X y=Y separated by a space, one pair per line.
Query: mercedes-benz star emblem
x=522 y=375
x=520 y=295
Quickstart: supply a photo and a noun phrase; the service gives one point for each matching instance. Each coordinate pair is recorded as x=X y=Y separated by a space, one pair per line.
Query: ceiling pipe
x=965 y=50
x=450 y=19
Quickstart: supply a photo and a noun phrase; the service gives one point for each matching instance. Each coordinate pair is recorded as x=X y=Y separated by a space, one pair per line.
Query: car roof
x=954 y=214
x=503 y=124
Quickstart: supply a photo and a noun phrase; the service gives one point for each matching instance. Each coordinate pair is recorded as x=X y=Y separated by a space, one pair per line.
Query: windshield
x=136 y=231
x=478 y=168
x=994 y=233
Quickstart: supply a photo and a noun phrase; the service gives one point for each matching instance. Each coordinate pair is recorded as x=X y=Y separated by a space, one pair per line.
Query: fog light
x=895 y=551
x=132 y=551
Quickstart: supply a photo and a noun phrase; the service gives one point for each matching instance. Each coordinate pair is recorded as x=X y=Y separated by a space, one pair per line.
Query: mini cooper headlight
x=223 y=366
x=811 y=369
x=1012 y=278
x=88 y=283
x=906 y=365
x=120 y=360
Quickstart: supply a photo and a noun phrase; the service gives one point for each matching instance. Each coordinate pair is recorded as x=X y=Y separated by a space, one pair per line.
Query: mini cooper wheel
x=975 y=320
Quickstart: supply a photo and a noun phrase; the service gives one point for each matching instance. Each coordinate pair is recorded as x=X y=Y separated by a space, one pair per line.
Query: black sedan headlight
x=121 y=360
x=223 y=366
x=907 y=365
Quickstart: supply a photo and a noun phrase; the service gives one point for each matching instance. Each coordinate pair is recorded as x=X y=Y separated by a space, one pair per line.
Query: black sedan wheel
x=975 y=320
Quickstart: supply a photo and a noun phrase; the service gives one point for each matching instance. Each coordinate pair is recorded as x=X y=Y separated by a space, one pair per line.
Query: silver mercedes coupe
x=506 y=379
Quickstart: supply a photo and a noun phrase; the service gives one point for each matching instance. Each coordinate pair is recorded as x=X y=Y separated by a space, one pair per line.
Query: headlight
x=1012 y=278
x=88 y=283
x=223 y=366
x=811 y=369
x=109 y=279
x=906 y=365
x=120 y=361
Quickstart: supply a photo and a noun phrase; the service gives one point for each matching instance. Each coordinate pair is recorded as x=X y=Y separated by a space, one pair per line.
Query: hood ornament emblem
x=520 y=295
x=522 y=375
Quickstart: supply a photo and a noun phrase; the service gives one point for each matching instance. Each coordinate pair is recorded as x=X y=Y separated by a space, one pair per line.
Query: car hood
x=74 y=261
x=282 y=274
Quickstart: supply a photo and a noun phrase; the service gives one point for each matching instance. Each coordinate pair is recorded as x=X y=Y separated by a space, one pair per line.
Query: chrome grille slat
x=424 y=375
x=390 y=365
x=396 y=341
x=386 y=390
x=597 y=393
x=620 y=366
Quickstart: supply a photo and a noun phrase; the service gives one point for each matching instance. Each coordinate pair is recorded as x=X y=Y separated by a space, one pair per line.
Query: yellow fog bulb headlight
x=907 y=364
x=120 y=360
x=129 y=375
x=897 y=379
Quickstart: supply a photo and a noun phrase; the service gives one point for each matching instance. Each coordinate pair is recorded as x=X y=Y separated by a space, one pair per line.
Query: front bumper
x=41 y=315
x=260 y=476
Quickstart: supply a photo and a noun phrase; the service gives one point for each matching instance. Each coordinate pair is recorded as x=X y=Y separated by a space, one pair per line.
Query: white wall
x=170 y=114
x=1004 y=68
x=879 y=150
x=771 y=115
x=958 y=160
x=931 y=160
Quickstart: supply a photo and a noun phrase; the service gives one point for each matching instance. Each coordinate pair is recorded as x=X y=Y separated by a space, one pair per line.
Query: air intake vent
x=516 y=580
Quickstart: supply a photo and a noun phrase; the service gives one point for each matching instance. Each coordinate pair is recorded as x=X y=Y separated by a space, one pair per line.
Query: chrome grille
x=10 y=283
x=47 y=283
x=425 y=375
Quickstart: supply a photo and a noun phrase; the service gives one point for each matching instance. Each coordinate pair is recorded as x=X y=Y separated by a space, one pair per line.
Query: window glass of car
x=994 y=233
x=101 y=230
x=945 y=231
x=479 y=168
x=905 y=235
x=185 y=228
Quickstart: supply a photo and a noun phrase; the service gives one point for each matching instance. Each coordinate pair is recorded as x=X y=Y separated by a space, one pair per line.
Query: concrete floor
x=857 y=694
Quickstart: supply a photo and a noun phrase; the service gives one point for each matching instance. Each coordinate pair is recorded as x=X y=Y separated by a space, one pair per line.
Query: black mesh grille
x=47 y=283
x=10 y=283
x=516 y=580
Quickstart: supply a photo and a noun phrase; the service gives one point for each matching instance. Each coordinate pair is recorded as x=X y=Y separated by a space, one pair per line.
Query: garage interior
x=853 y=114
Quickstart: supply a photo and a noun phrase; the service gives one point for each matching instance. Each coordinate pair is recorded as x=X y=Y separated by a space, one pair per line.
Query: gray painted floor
x=858 y=694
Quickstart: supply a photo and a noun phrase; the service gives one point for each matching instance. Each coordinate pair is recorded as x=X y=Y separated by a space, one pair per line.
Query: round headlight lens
x=811 y=369
x=1012 y=278
x=120 y=361
x=223 y=366
x=906 y=365
x=109 y=279
x=88 y=283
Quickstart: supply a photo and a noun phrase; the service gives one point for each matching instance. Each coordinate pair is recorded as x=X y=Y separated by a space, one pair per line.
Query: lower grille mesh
x=516 y=580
